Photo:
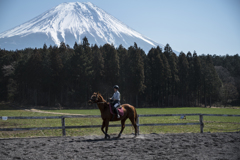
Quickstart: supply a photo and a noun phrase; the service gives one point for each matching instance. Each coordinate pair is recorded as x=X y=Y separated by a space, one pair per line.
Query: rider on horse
x=116 y=99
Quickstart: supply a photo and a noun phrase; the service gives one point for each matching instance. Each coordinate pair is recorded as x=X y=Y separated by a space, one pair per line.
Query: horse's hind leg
x=132 y=119
x=123 y=126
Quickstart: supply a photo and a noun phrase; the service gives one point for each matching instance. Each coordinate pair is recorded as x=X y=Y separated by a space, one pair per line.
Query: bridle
x=95 y=100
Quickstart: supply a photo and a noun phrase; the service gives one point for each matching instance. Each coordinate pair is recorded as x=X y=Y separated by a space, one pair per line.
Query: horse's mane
x=99 y=95
x=105 y=102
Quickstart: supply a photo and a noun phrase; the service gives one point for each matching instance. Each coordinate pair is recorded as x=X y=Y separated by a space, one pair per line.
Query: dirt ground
x=152 y=146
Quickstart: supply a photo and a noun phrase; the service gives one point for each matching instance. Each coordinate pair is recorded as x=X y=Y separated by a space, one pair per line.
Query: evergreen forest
x=50 y=76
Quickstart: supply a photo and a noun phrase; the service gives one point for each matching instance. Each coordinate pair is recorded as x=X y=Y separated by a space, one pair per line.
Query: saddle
x=119 y=108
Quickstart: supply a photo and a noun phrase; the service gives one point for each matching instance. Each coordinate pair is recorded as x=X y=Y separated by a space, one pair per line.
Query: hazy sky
x=207 y=26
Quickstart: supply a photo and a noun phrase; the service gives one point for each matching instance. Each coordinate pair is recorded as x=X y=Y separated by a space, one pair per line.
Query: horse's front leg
x=106 y=129
x=103 y=125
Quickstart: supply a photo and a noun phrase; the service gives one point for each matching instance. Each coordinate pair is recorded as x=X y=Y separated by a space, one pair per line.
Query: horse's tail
x=135 y=115
x=136 y=119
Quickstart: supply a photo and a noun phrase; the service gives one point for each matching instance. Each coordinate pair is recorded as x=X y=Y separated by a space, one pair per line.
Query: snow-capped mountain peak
x=70 y=22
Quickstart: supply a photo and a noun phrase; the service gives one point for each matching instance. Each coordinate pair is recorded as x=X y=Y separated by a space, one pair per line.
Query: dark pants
x=116 y=103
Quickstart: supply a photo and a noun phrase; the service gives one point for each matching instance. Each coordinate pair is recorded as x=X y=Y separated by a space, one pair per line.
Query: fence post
x=137 y=124
x=201 y=123
x=63 y=126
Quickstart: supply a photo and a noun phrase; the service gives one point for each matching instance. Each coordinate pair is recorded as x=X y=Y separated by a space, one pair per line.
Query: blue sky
x=207 y=26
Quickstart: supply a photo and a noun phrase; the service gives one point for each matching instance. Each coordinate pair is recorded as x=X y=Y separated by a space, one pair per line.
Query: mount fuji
x=70 y=23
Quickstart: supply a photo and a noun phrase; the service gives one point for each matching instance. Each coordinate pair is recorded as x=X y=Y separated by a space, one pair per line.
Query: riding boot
x=118 y=116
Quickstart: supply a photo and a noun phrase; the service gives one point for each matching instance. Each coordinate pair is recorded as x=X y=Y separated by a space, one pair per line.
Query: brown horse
x=129 y=112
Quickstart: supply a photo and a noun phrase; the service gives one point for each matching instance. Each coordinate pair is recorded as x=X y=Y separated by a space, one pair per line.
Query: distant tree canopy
x=51 y=75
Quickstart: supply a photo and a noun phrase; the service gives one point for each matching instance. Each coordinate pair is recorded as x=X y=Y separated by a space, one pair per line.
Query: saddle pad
x=120 y=110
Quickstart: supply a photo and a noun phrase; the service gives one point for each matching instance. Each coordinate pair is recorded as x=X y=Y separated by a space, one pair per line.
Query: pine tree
x=183 y=74
x=167 y=51
x=124 y=72
x=3 y=81
x=137 y=71
x=81 y=64
x=98 y=69
x=35 y=70
x=197 y=76
x=56 y=69
x=167 y=78
x=46 y=76
x=173 y=62
x=111 y=63
x=190 y=79
x=212 y=81
x=85 y=42
x=155 y=74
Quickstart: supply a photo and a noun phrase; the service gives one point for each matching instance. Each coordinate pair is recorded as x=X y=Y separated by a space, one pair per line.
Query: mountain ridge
x=70 y=22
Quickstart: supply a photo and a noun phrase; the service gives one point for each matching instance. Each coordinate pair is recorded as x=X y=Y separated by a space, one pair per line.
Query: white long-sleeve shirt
x=116 y=96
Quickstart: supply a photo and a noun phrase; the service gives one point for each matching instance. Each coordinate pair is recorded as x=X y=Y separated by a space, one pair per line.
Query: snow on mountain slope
x=70 y=22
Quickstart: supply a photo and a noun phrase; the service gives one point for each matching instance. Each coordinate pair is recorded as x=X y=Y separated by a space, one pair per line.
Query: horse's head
x=94 y=98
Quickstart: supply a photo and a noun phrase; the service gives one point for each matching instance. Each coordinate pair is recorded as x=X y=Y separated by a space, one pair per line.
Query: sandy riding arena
x=152 y=146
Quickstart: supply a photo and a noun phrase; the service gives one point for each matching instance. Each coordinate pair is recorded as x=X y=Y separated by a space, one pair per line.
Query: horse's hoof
x=107 y=136
x=119 y=136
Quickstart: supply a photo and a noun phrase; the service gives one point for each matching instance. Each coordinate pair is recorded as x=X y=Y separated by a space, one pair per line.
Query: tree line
x=68 y=76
